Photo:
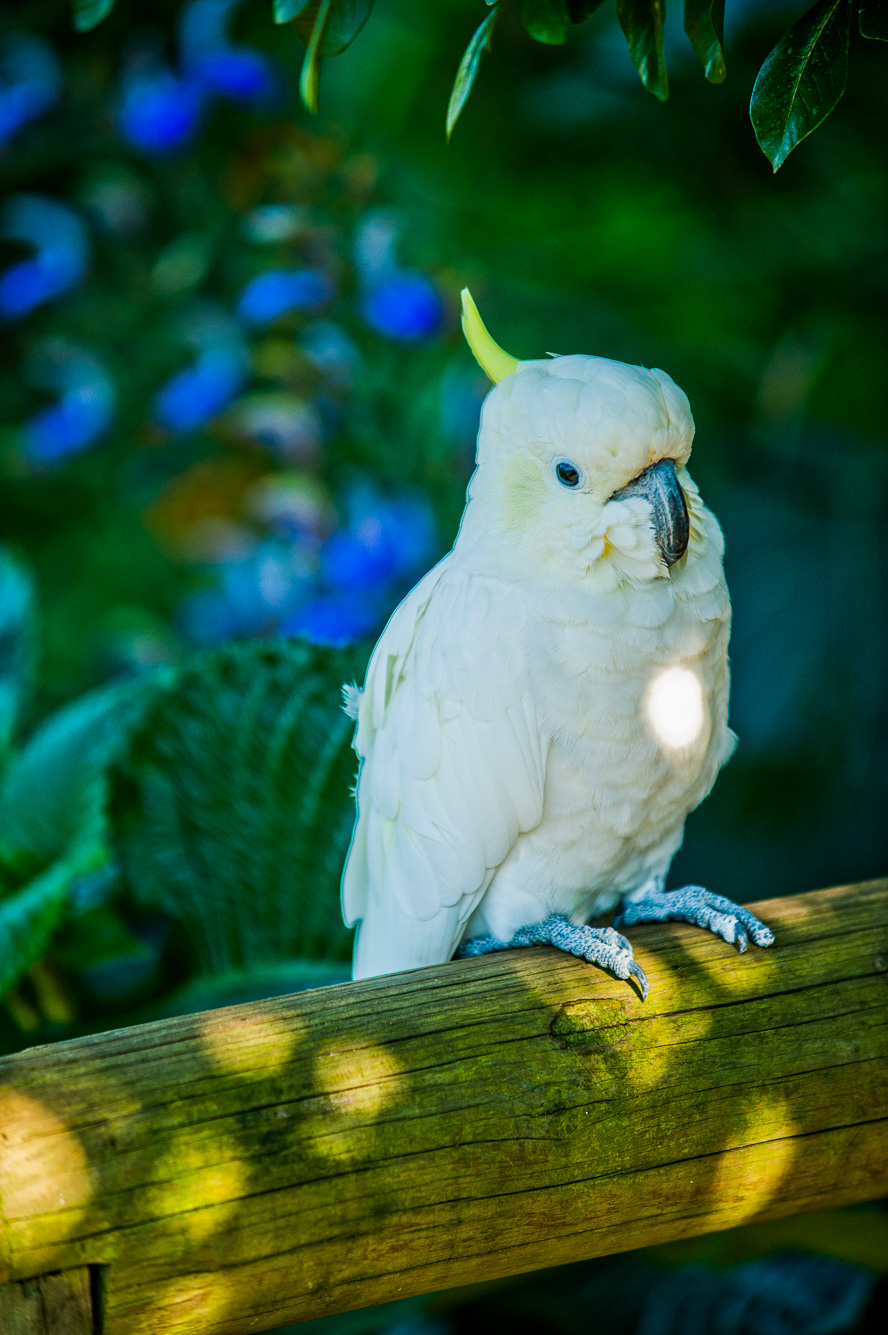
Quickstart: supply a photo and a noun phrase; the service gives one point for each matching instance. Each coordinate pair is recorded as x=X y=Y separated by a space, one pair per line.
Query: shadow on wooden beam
x=279 y=1161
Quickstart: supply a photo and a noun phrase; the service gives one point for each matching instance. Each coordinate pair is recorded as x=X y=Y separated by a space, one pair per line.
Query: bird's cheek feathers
x=571 y=536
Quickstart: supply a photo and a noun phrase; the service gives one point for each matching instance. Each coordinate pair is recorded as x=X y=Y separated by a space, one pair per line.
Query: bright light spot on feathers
x=673 y=705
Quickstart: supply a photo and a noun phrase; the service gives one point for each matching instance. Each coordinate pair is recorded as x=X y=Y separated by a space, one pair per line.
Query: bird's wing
x=453 y=769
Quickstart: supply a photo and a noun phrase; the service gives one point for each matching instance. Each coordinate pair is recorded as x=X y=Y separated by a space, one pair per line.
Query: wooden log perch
x=242 y=1168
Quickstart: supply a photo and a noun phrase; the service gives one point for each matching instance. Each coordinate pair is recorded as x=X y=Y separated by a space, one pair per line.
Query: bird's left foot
x=598 y=945
x=693 y=904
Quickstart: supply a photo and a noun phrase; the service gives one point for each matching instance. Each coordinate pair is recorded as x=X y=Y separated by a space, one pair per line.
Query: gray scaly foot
x=693 y=904
x=599 y=945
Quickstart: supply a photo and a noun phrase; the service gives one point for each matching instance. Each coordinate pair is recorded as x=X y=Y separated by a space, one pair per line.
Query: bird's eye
x=567 y=473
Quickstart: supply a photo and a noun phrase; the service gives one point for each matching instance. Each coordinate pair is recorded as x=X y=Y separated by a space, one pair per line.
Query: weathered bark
x=48 y=1305
x=242 y=1168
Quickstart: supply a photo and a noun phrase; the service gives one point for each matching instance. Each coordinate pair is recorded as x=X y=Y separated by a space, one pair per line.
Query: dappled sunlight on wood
x=43 y=1170
x=361 y=1081
x=244 y=1044
x=749 y=1177
x=202 y=1195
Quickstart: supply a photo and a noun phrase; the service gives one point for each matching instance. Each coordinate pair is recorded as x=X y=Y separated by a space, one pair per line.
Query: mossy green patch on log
x=278 y=1161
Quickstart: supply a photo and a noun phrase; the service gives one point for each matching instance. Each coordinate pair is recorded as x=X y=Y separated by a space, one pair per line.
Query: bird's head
x=581 y=464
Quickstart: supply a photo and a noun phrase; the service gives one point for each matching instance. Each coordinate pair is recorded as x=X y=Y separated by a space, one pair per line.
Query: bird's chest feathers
x=636 y=691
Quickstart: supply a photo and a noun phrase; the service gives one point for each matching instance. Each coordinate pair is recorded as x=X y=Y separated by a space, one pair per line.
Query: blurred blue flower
x=352 y=560
x=280 y=583
x=237 y=72
x=404 y=306
x=211 y=60
x=195 y=395
x=334 y=621
x=58 y=236
x=385 y=540
x=85 y=408
x=200 y=392
x=158 y=112
x=278 y=291
x=30 y=81
x=68 y=428
x=253 y=593
x=365 y=566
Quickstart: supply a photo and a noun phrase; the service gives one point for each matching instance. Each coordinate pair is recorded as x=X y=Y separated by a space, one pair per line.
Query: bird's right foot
x=599 y=945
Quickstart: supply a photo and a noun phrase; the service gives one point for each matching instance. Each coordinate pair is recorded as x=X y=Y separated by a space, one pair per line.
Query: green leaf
x=345 y=19
x=468 y=67
x=89 y=13
x=874 y=20
x=579 y=10
x=704 y=23
x=53 y=794
x=311 y=65
x=802 y=79
x=232 y=809
x=642 y=23
x=547 y=20
x=30 y=917
x=285 y=10
x=16 y=644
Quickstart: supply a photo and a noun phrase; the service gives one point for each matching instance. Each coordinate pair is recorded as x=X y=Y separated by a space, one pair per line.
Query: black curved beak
x=660 y=487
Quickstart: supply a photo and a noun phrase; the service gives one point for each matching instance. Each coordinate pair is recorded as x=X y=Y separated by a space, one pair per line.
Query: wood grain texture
x=273 y=1162
x=48 y=1305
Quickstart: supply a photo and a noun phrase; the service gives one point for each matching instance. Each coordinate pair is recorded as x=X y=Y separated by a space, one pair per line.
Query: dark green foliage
x=580 y=10
x=547 y=20
x=340 y=24
x=874 y=20
x=16 y=645
x=802 y=79
x=232 y=808
x=89 y=13
x=30 y=916
x=285 y=10
x=642 y=23
x=53 y=794
x=704 y=23
x=798 y=85
x=53 y=817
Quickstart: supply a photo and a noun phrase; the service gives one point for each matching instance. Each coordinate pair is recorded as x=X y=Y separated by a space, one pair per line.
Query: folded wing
x=453 y=770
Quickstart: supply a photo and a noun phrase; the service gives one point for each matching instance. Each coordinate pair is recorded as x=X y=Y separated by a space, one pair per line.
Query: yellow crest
x=489 y=355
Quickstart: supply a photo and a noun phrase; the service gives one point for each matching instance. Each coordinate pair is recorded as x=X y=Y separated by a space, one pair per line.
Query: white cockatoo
x=548 y=704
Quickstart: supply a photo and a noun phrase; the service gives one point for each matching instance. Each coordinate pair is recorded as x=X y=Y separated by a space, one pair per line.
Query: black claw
x=637 y=972
x=741 y=940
